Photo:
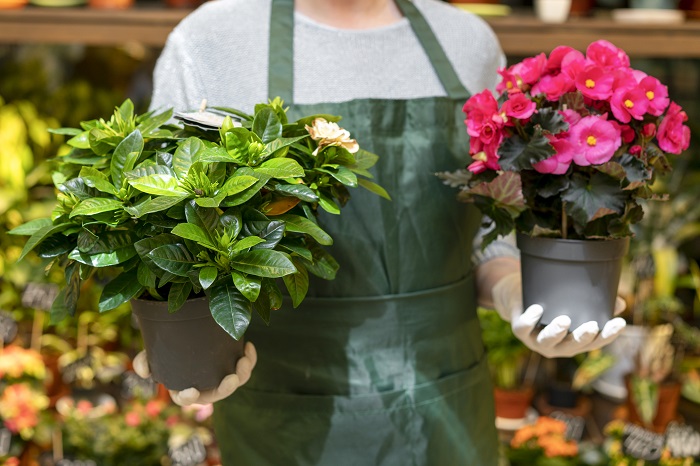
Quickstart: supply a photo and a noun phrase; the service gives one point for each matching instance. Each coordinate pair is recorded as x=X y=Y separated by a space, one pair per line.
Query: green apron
x=385 y=364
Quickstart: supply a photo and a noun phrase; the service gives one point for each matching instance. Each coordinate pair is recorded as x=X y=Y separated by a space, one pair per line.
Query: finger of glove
x=251 y=353
x=524 y=324
x=141 y=366
x=244 y=367
x=611 y=330
x=553 y=333
x=185 y=397
x=577 y=341
x=225 y=389
x=507 y=297
x=620 y=306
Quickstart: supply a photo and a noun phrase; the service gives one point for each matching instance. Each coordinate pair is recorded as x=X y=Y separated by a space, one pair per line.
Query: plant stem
x=563 y=220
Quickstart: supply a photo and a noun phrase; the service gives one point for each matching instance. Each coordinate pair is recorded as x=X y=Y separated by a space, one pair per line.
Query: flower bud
x=649 y=130
x=636 y=150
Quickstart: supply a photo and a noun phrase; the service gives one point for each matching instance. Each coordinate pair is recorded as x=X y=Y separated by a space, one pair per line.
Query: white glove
x=230 y=383
x=554 y=340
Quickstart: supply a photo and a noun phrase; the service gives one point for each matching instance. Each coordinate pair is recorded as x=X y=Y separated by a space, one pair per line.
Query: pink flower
x=570 y=116
x=656 y=93
x=154 y=408
x=623 y=77
x=530 y=69
x=508 y=81
x=573 y=63
x=132 y=419
x=554 y=86
x=484 y=102
x=559 y=163
x=628 y=103
x=557 y=57
x=606 y=55
x=595 y=140
x=627 y=133
x=595 y=83
x=649 y=130
x=673 y=135
x=635 y=150
x=518 y=106
x=485 y=160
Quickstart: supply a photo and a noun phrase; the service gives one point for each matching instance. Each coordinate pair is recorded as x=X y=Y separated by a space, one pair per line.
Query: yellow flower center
x=650 y=95
x=590 y=84
x=509 y=85
x=481 y=156
x=591 y=140
x=629 y=103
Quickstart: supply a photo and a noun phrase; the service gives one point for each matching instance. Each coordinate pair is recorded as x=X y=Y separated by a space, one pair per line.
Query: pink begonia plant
x=570 y=144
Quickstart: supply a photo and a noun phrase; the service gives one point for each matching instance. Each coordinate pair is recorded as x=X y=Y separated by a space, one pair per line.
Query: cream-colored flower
x=330 y=134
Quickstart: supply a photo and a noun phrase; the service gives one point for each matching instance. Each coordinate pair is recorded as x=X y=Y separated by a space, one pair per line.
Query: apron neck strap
x=281 y=55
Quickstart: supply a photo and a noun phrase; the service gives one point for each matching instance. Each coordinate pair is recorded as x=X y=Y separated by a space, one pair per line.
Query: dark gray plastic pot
x=577 y=278
x=186 y=348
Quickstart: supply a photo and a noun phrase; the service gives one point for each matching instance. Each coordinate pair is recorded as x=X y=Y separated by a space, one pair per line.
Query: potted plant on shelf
x=507 y=357
x=564 y=156
x=200 y=218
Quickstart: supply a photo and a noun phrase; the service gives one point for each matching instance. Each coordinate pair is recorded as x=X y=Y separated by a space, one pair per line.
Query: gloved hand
x=228 y=385
x=554 y=340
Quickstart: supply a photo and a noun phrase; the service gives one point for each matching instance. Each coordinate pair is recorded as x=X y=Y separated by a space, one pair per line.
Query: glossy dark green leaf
x=272 y=234
x=146 y=276
x=104 y=259
x=247 y=243
x=277 y=144
x=297 y=283
x=294 y=247
x=86 y=240
x=216 y=154
x=156 y=204
x=518 y=154
x=125 y=156
x=243 y=197
x=324 y=265
x=193 y=232
x=298 y=224
x=263 y=263
x=119 y=291
x=590 y=198
x=204 y=218
x=300 y=191
x=55 y=246
x=230 y=309
x=40 y=235
x=59 y=310
x=328 y=204
x=231 y=222
x=207 y=276
x=267 y=125
x=248 y=285
x=79 y=189
x=173 y=258
x=72 y=290
x=344 y=175
x=148 y=170
x=236 y=184
x=179 y=292
x=98 y=180
x=145 y=246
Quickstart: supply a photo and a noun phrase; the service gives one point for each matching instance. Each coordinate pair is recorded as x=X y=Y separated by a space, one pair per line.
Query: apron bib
x=385 y=364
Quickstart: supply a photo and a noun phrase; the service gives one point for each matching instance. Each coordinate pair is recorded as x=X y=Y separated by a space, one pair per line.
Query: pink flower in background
x=132 y=419
x=530 y=69
x=518 y=106
x=627 y=133
x=595 y=83
x=623 y=77
x=573 y=63
x=595 y=140
x=656 y=93
x=628 y=103
x=484 y=102
x=673 y=135
x=570 y=116
x=606 y=55
x=559 y=163
x=554 y=86
x=558 y=55
x=508 y=81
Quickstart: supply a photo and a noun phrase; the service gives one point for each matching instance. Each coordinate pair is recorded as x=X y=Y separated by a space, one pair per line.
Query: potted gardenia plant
x=563 y=156
x=197 y=218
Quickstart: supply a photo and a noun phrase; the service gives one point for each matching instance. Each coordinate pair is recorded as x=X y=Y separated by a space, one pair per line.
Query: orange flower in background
x=16 y=362
x=548 y=435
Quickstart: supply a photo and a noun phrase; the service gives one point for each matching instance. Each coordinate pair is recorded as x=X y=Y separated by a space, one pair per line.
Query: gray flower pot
x=577 y=278
x=186 y=348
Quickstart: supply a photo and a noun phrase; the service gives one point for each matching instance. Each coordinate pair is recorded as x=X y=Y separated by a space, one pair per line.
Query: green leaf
x=125 y=156
x=186 y=153
x=242 y=197
x=40 y=235
x=263 y=263
x=31 y=227
x=247 y=243
x=230 y=309
x=267 y=125
x=147 y=170
x=271 y=231
x=550 y=120
x=59 y=310
x=179 y=292
x=78 y=188
x=280 y=143
x=298 y=224
x=80 y=140
x=297 y=283
x=207 y=276
x=206 y=219
x=516 y=154
x=55 y=246
x=324 y=265
x=373 y=188
x=105 y=259
x=299 y=191
x=146 y=276
x=119 y=291
x=98 y=180
x=86 y=240
x=96 y=205
x=505 y=190
x=281 y=168
x=248 y=285
x=342 y=174
x=296 y=248
x=65 y=131
x=364 y=160
x=173 y=258
x=126 y=110
x=160 y=185
x=145 y=246
x=587 y=199
x=193 y=232
x=328 y=204
x=236 y=184
x=217 y=154
x=148 y=126
x=156 y=204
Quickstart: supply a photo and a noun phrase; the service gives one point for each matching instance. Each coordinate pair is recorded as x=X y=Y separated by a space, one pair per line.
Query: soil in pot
x=186 y=348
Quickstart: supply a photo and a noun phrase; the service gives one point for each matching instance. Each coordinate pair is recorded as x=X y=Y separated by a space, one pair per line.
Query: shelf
x=520 y=35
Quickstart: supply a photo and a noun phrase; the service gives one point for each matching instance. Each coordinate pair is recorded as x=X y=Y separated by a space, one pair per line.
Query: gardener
x=385 y=364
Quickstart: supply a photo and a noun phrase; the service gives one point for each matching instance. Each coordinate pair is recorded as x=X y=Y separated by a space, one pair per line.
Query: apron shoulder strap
x=281 y=54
